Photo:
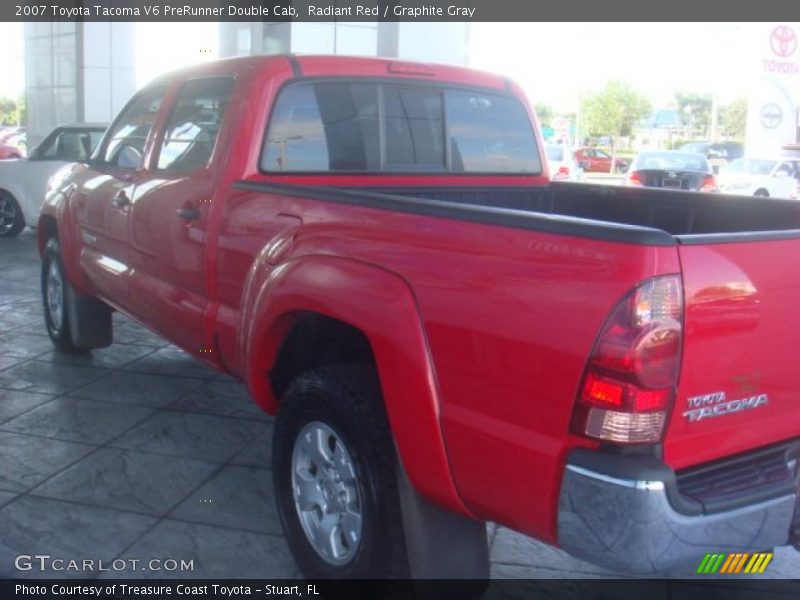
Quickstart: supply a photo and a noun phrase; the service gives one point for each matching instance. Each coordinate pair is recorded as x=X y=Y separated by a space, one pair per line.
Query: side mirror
x=782 y=174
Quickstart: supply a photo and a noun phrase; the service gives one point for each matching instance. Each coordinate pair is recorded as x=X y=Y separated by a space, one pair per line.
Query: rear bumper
x=624 y=517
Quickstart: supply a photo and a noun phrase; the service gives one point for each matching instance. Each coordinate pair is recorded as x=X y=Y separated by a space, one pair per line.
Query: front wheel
x=12 y=220
x=761 y=193
x=74 y=322
x=54 y=298
x=334 y=474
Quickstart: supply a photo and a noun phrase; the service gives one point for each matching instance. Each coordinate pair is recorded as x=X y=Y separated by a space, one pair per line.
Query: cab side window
x=194 y=124
x=127 y=139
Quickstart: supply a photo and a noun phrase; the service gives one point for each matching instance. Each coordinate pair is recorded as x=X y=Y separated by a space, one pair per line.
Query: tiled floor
x=137 y=451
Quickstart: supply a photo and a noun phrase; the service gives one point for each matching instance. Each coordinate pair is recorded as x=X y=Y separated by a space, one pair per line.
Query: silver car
x=562 y=164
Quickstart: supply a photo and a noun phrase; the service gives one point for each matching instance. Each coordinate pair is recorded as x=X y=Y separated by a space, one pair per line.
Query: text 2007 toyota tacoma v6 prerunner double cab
x=446 y=338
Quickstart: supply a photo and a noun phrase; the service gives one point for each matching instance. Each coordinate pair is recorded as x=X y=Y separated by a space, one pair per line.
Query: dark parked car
x=672 y=169
x=717 y=153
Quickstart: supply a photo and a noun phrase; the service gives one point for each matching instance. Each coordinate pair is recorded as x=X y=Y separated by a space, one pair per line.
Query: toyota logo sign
x=770 y=115
x=783 y=41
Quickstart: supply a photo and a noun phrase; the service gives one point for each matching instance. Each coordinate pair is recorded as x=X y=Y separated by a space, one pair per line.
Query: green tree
x=22 y=113
x=8 y=111
x=613 y=111
x=733 y=118
x=545 y=113
x=695 y=111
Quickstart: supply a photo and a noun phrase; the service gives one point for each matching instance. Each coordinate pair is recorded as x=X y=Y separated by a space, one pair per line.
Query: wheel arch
x=367 y=313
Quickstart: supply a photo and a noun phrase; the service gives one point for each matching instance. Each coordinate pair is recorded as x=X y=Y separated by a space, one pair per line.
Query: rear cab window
x=398 y=127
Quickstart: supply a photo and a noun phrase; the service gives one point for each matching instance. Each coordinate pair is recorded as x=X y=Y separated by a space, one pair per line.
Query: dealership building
x=85 y=72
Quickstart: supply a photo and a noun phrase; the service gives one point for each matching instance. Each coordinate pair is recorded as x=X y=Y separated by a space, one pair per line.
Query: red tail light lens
x=709 y=184
x=562 y=173
x=634 y=179
x=632 y=374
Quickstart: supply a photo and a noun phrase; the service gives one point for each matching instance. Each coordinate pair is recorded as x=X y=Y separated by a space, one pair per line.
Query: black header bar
x=392 y=10
x=505 y=589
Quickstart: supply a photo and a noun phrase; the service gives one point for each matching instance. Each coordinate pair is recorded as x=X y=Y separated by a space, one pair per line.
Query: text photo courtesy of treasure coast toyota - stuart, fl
x=398 y=301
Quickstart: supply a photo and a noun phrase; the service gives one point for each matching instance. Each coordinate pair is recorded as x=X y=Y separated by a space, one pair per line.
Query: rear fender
x=382 y=306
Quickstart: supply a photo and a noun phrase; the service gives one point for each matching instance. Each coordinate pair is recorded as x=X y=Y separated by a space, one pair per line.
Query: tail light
x=709 y=184
x=411 y=68
x=634 y=179
x=562 y=173
x=632 y=375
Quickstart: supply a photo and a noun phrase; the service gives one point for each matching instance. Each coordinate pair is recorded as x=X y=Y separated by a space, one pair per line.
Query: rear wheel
x=762 y=193
x=335 y=481
x=12 y=220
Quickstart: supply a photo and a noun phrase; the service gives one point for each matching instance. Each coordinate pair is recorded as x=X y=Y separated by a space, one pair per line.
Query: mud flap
x=442 y=545
x=89 y=320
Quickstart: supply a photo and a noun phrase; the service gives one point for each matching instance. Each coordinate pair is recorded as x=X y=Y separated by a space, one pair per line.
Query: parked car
x=562 y=164
x=593 y=160
x=22 y=182
x=317 y=228
x=765 y=177
x=9 y=131
x=9 y=152
x=18 y=140
x=672 y=170
x=718 y=153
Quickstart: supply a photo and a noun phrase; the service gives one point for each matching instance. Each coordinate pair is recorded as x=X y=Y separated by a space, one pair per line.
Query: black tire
x=346 y=399
x=12 y=221
x=762 y=193
x=58 y=326
x=81 y=322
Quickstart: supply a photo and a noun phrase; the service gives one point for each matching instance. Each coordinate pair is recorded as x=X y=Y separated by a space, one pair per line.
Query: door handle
x=121 y=199
x=188 y=213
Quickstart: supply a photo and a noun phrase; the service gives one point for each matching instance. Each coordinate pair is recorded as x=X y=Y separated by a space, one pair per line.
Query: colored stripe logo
x=734 y=562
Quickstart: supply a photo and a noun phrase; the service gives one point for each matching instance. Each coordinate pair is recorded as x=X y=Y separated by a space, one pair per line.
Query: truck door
x=104 y=197
x=170 y=215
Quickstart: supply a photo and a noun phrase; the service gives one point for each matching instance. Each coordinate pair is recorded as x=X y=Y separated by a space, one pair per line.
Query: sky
x=553 y=62
x=556 y=62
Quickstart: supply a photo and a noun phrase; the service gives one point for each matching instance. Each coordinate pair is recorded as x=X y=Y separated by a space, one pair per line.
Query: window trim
x=50 y=139
x=102 y=146
x=158 y=144
x=53 y=135
x=442 y=86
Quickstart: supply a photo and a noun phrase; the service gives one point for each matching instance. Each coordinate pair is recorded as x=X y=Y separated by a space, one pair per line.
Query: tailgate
x=739 y=386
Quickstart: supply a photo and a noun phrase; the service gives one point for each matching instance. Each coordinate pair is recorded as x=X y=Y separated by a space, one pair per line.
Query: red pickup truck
x=446 y=338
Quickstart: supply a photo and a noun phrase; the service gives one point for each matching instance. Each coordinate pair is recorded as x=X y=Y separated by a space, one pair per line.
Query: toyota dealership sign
x=772 y=116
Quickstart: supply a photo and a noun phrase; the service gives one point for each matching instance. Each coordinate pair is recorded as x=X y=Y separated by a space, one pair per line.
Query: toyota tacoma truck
x=445 y=337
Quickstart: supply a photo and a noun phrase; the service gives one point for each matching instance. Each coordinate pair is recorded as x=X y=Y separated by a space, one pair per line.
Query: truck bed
x=678 y=213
